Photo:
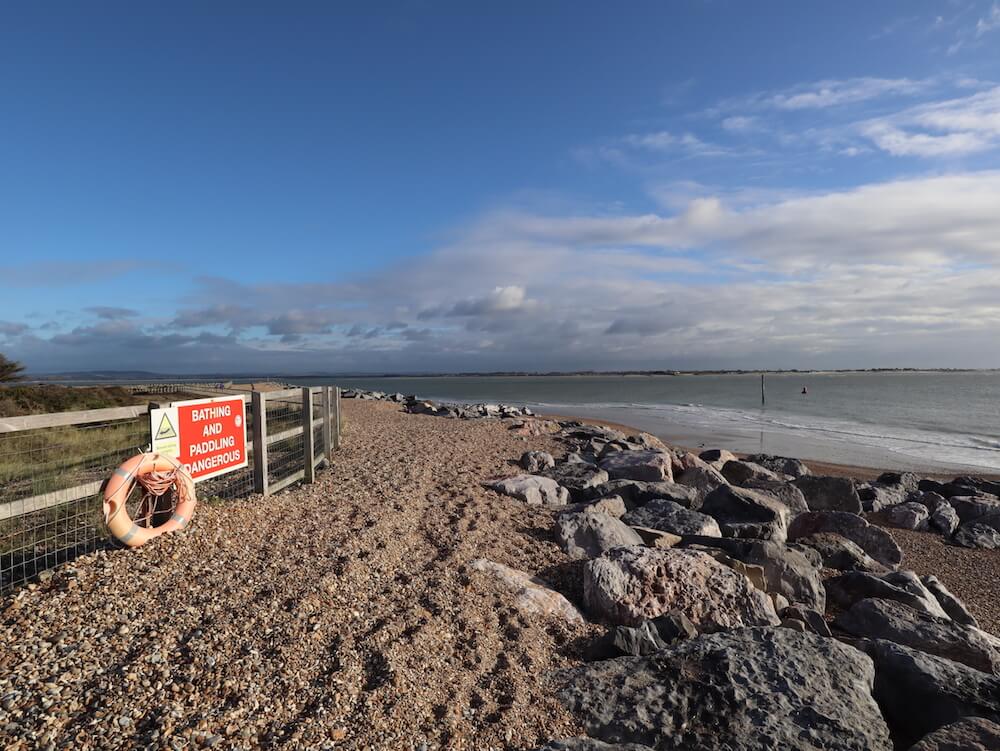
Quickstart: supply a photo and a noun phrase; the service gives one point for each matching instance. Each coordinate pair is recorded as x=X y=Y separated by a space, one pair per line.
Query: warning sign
x=208 y=436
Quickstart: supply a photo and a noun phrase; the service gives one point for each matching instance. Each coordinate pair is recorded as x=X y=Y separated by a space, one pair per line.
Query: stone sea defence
x=748 y=603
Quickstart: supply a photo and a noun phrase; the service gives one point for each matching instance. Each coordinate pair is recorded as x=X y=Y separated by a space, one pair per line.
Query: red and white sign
x=208 y=436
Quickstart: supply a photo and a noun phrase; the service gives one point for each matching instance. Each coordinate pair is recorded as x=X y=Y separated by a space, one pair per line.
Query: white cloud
x=740 y=123
x=953 y=127
x=833 y=93
x=989 y=22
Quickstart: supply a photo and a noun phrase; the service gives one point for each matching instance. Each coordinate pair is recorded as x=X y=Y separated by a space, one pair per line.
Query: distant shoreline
x=139 y=377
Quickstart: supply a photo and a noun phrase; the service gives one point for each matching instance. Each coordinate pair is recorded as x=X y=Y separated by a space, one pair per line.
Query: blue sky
x=427 y=186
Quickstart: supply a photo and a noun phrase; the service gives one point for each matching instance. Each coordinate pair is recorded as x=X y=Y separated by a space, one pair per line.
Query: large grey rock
x=812 y=618
x=785 y=571
x=783 y=465
x=753 y=689
x=589 y=744
x=919 y=693
x=910 y=515
x=887 y=619
x=951 y=605
x=612 y=505
x=670 y=516
x=970 y=508
x=637 y=641
x=906 y=481
x=717 y=457
x=576 y=478
x=901 y=586
x=535 y=461
x=875 y=496
x=637 y=493
x=629 y=585
x=704 y=480
x=747 y=513
x=587 y=534
x=837 y=552
x=533 y=490
x=829 y=493
x=531 y=595
x=785 y=492
x=976 y=535
x=645 y=465
x=944 y=519
x=969 y=734
x=740 y=472
x=875 y=541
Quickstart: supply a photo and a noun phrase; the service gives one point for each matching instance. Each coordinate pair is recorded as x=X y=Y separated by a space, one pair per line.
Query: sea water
x=904 y=420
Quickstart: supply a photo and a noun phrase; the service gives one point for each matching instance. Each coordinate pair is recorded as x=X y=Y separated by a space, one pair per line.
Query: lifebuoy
x=123 y=480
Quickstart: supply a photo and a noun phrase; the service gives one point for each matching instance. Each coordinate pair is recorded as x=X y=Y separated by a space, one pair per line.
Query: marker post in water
x=762 y=400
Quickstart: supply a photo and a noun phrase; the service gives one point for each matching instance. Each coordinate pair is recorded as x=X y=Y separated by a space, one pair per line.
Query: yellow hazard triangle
x=166 y=430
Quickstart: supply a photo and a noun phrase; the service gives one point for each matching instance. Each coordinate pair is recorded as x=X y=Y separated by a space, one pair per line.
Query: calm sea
x=891 y=420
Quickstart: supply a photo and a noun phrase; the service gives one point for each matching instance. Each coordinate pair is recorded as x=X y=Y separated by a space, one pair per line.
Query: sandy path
x=336 y=615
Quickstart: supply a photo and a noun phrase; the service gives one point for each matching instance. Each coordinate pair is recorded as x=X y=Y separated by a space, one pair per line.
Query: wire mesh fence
x=51 y=479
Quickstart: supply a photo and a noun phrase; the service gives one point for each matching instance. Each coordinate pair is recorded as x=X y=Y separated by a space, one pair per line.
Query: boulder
x=589 y=744
x=747 y=513
x=837 y=552
x=587 y=534
x=704 y=480
x=683 y=460
x=971 y=507
x=951 y=605
x=531 y=595
x=636 y=641
x=637 y=493
x=585 y=432
x=829 y=493
x=670 y=516
x=717 y=457
x=875 y=496
x=930 y=500
x=902 y=586
x=644 y=465
x=943 y=519
x=785 y=571
x=753 y=689
x=968 y=734
x=783 y=465
x=657 y=538
x=785 y=492
x=647 y=441
x=906 y=481
x=919 y=692
x=674 y=626
x=741 y=472
x=910 y=515
x=576 y=478
x=976 y=535
x=813 y=619
x=813 y=556
x=535 y=461
x=626 y=586
x=612 y=505
x=887 y=619
x=875 y=541
x=533 y=490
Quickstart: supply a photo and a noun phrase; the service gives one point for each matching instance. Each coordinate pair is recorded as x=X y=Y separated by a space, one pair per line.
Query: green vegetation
x=10 y=371
x=38 y=400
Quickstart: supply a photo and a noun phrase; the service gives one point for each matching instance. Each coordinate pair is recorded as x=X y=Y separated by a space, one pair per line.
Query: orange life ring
x=120 y=485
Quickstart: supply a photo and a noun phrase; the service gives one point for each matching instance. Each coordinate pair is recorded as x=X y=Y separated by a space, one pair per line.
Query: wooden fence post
x=308 y=437
x=259 y=402
x=336 y=417
x=326 y=395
